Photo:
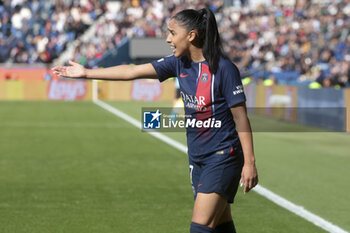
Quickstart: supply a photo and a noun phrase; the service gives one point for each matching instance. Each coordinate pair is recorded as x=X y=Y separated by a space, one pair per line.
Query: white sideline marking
x=298 y=210
x=137 y=124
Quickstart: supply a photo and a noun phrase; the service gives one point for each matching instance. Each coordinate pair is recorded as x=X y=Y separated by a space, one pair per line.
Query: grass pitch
x=73 y=167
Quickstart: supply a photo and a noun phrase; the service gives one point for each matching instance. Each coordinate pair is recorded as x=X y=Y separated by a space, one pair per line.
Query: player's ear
x=192 y=35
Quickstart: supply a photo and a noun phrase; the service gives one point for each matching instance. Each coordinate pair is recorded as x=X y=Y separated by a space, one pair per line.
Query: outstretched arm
x=117 y=73
x=249 y=172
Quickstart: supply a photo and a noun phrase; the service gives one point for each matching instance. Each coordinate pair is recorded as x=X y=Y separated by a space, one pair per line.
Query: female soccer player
x=210 y=88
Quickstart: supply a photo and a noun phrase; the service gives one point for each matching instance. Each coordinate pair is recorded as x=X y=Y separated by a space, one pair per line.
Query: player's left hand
x=249 y=177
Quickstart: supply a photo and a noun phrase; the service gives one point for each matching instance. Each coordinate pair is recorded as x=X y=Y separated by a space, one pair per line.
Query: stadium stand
x=290 y=44
x=38 y=31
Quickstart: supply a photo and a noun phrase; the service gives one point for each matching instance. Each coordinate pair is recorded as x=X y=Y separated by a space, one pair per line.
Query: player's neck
x=196 y=55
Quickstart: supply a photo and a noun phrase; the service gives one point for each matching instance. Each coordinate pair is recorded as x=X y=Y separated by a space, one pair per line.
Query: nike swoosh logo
x=183 y=75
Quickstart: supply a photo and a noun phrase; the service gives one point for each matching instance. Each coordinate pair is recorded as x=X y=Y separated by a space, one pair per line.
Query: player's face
x=178 y=38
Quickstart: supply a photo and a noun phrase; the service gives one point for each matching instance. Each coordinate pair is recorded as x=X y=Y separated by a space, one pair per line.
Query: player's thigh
x=226 y=215
x=208 y=209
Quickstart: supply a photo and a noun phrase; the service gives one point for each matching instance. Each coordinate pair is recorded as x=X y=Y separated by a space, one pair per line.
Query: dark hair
x=203 y=21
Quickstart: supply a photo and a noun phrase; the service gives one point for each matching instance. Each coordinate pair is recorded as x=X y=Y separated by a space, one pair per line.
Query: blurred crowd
x=134 y=18
x=34 y=31
x=310 y=39
x=313 y=40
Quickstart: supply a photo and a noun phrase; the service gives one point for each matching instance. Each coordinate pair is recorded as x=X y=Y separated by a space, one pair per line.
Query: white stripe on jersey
x=212 y=95
x=199 y=73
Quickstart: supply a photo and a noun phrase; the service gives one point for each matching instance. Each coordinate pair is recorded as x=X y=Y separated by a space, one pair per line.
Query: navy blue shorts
x=219 y=172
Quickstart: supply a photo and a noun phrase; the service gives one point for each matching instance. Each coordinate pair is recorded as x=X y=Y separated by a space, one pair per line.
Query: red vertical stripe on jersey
x=203 y=94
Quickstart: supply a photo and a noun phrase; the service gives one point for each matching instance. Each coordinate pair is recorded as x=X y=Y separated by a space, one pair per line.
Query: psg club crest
x=204 y=78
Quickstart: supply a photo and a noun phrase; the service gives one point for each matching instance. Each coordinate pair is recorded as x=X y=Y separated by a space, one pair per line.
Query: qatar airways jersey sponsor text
x=194 y=102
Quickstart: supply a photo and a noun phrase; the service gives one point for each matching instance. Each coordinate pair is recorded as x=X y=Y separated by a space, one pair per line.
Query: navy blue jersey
x=206 y=97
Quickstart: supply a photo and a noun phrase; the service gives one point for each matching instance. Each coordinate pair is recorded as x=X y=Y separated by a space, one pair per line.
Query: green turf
x=86 y=179
x=74 y=167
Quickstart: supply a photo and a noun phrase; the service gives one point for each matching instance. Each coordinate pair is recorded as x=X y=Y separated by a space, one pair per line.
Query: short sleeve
x=231 y=84
x=165 y=67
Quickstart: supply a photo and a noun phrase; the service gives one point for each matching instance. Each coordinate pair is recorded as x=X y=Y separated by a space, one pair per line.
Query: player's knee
x=201 y=220
x=198 y=228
